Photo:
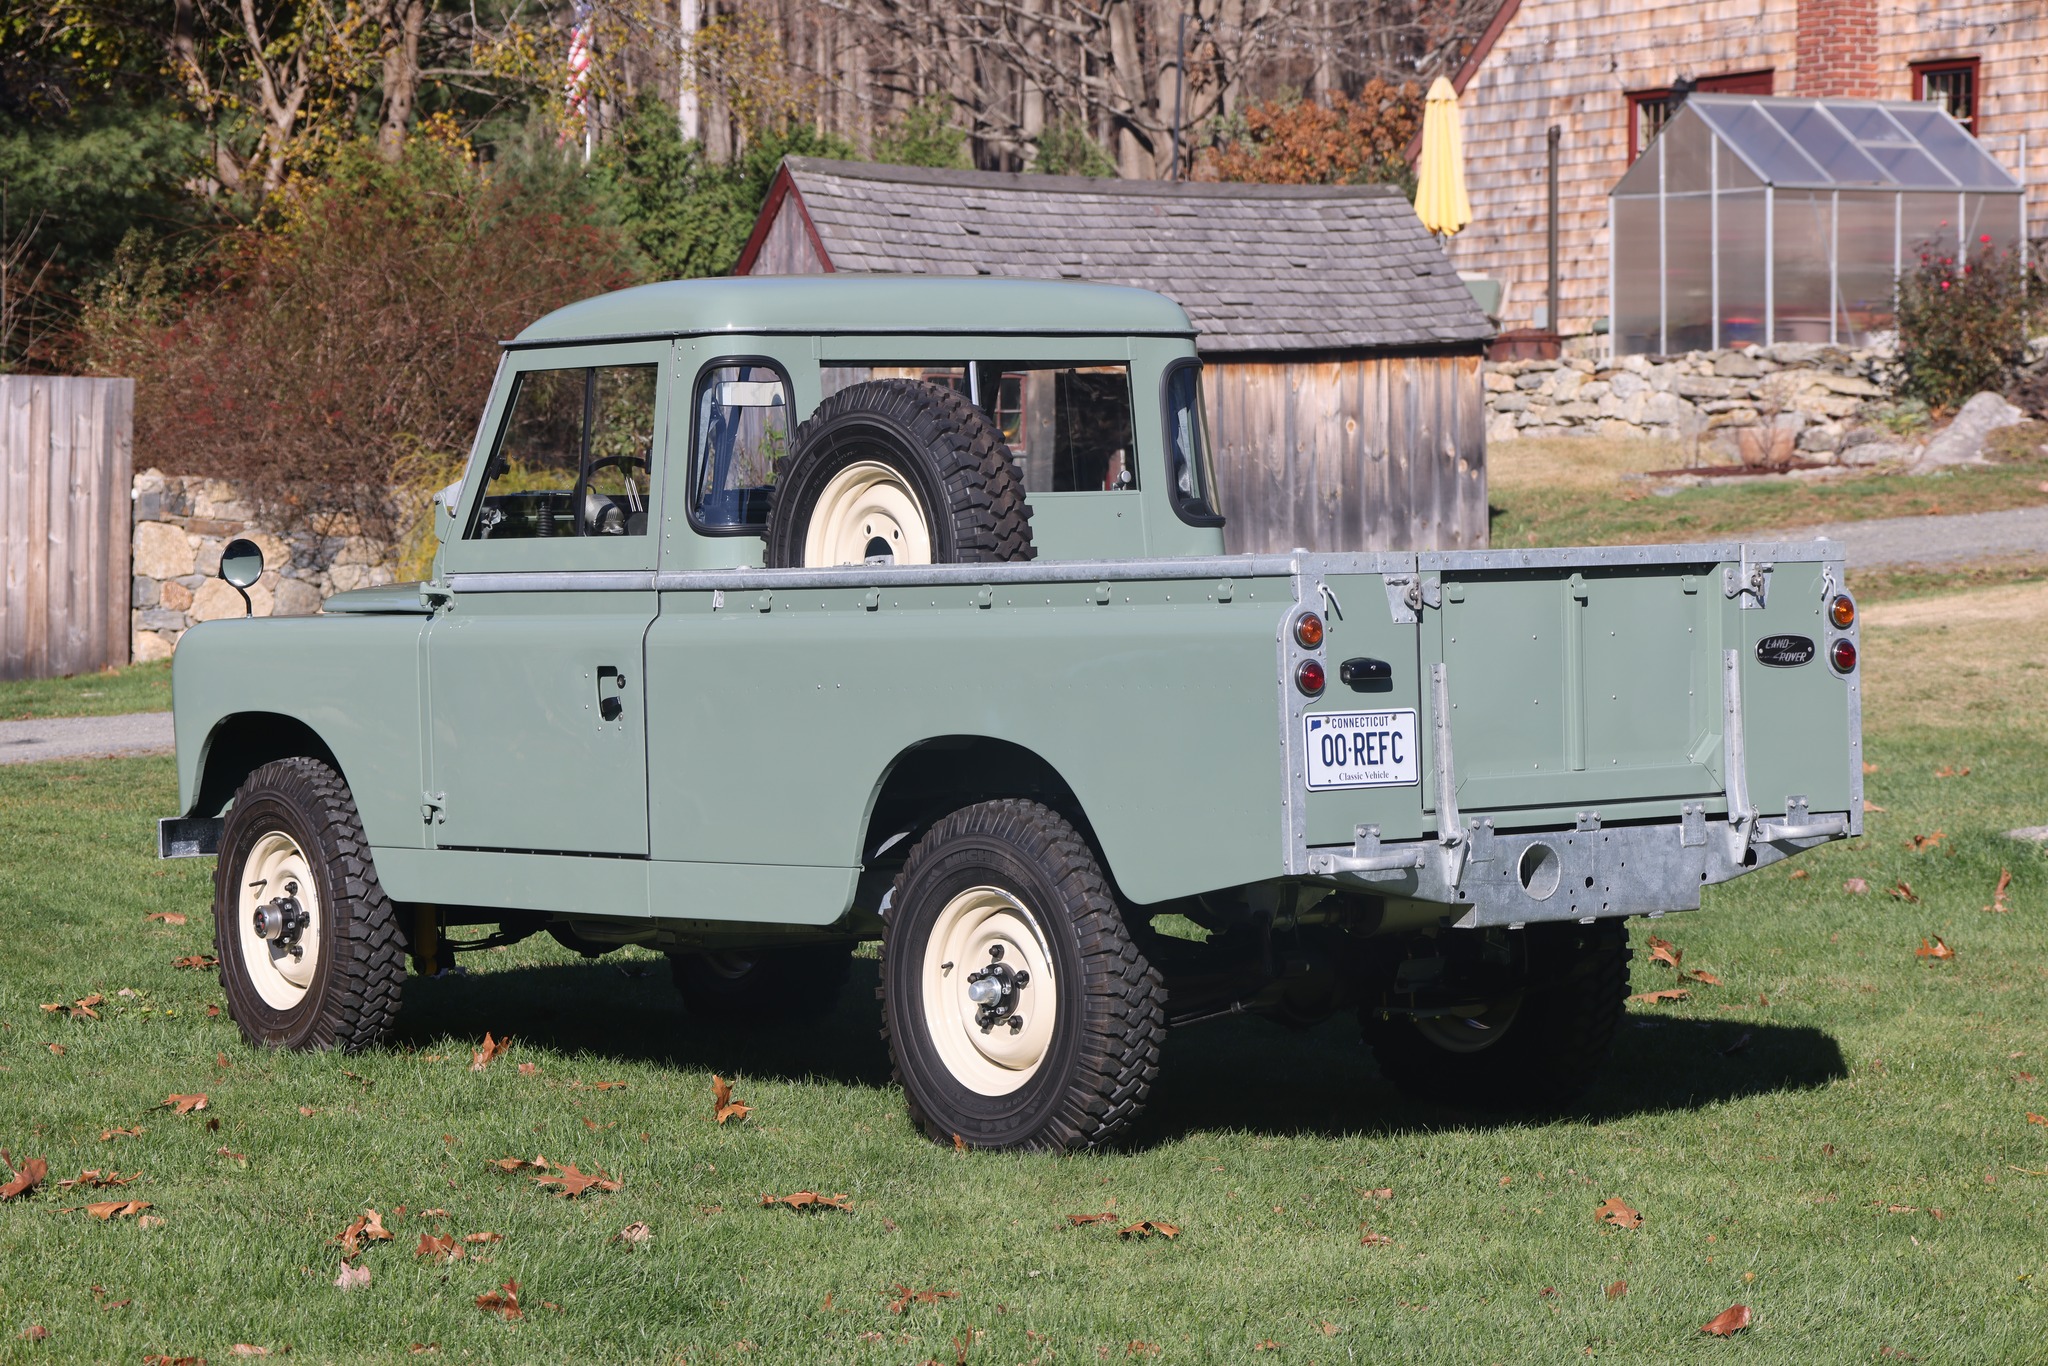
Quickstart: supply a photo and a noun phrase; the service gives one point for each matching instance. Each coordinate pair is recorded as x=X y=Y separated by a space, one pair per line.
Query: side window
x=1187 y=447
x=574 y=458
x=741 y=433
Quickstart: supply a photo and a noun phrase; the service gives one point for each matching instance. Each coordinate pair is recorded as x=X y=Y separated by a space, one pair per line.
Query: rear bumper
x=1588 y=873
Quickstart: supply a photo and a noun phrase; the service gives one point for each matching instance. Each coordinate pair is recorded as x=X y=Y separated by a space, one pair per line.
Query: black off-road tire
x=1552 y=1049
x=799 y=983
x=947 y=451
x=1099 y=1065
x=352 y=1000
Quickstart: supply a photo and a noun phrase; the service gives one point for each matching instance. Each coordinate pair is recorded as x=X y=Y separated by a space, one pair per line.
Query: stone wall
x=181 y=527
x=1757 y=404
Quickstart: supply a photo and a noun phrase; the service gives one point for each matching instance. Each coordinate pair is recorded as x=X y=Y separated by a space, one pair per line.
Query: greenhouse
x=1790 y=220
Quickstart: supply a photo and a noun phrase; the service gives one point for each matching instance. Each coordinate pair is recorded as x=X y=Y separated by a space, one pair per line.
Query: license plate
x=1360 y=749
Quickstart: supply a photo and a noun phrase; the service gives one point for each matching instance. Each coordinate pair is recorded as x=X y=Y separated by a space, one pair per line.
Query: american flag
x=577 y=90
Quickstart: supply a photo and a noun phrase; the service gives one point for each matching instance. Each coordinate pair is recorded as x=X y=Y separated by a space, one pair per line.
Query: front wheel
x=311 y=953
x=1017 y=1010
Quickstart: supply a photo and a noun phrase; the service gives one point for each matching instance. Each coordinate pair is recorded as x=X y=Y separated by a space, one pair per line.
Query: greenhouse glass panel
x=1767 y=219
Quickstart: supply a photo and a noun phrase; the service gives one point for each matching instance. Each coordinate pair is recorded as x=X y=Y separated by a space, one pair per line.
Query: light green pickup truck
x=777 y=615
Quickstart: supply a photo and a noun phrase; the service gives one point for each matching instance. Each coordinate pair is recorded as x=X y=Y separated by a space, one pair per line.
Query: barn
x=1341 y=351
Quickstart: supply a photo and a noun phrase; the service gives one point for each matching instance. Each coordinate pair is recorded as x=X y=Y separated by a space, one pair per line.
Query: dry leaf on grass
x=184 y=1105
x=1870 y=806
x=35 y=1332
x=598 y=1086
x=1265 y=1345
x=491 y=1049
x=441 y=1245
x=1904 y=892
x=640 y=1233
x=723 y=1106
x=96 y=1179
x=352 y=1277
x=1614 y=1210
x=1728 y=1322
x=901 y=1297
x=25 y=1178
x=2033 y=1118
x=483 y=1237
x=1370 y=1239
x=1106 y=1217
x=166 y=1359
x=107 y=1135
x=503 y=1302
x=574 y=1183
x=368 y=1228
x=1383 y=1193
x=1701 y=976
x=527 y=1069
x=248 y=1349
x=1651 y=998
x=1920 y=842
x=167 y=917
x=58 y=1048
x=1146 y=1228
x=196 y=960
x=1662 y=951
x=1998 y=896
x=1617 y=1290
x=1855 y=886
x=1937 y=949
x=1950 y=771
x=115 y=1209
x=807 y=1199
x=1799 y=874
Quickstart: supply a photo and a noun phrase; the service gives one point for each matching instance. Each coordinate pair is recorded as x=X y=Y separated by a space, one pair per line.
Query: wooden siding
x=786 y=247
x=1571 y=62
x=65 y=475
x=1374 y=453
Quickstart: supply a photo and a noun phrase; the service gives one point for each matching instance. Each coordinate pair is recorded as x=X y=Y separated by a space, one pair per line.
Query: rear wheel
x=1017 y=1010
x=1536 y=1048
x=311 y=952
x=802 y=983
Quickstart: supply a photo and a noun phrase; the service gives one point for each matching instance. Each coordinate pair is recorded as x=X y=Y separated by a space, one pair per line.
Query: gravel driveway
x=1931 y=540
x=85 y=737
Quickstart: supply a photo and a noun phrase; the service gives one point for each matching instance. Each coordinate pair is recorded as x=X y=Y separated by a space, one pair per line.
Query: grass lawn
x=1836 y=1137
x=1571 y=491
x=110 y=692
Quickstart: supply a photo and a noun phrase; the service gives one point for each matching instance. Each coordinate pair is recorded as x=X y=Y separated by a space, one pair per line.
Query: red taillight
x=1309 y=678
x=1308 y=629
x=1843 y=656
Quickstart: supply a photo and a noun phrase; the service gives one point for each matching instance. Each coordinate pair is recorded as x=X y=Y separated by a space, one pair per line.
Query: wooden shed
x=1342 y=352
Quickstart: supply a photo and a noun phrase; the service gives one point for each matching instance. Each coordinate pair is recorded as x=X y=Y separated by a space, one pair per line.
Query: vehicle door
x=536 y=686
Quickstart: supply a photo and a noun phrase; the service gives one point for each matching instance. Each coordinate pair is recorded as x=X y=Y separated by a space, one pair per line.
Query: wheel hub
x=281 y=920
x=995 y=990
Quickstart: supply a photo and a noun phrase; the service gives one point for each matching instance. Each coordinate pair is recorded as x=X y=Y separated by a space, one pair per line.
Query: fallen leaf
x=248 y=1349
x=1698 y=975
x=368 y=1227
x=1800 y=874
x=35 y=1332
x=483 y=1237
x=25 y=1178
x=1614 y=1210
x=421 y=1348
x=640 y=1233
x=1106 y=1217
x=806 y=1199
x=1869 y=767
x=1937 y=949
x=527 y=1069
x=1901 y=1209
x=1505 y=1181
x=1998 y=896
x=352 y=1277
x=165 y=1359
x=723 y=1106
x=574 y=1183
x=184 y=1105
x=503 y=1302
x=959 y=1144
x=1146 y=1228
x=1617 y=1290
x=1949 y=771
x=95 y=1180
x=1135 y=1348
x=594 y=1126
x=1330 y=1330
x=167 y=917
x=1383 y=1193
x=491 y=1049
x=1919 y=842
x=1661 y=951
x=598 y=1086
x=107 y=1135
x=1266 y=1345
x=1548 y=1292
x=1904 y=892
x=1728 y=1322
x=1370 y=1239
x=213 y=1010
x=116 y=1209
x=443 y=1246
x=904 y=1297
x=513 y=1164
x=196 y=960
x=1870 y=806
x=1657 y=997
x=2033 y=1118
x=307 y=1110
x=1855 y=886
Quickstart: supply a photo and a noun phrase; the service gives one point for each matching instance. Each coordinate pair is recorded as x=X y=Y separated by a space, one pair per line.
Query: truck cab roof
x=868 y=304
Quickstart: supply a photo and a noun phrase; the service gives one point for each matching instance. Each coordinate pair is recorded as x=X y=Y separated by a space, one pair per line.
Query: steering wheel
x=588 y=513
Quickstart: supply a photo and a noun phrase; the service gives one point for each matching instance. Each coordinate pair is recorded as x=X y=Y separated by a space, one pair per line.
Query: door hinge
x=434 y=808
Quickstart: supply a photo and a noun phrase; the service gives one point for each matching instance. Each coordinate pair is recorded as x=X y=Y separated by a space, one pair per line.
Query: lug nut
x=995 y=953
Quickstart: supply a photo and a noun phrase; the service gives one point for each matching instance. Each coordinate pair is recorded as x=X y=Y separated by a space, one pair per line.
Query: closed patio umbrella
x=1440 y=175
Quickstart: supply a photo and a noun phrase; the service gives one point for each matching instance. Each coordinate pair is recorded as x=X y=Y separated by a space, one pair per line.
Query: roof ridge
x=1072 y=184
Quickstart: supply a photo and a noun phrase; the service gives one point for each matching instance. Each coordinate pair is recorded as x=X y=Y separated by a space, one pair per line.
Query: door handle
x=611 y=681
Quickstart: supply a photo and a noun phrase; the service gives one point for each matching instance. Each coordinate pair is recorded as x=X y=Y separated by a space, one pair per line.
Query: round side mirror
x=241 y=564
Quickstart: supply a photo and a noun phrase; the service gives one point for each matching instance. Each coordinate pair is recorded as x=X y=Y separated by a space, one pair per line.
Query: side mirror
x=241 y=564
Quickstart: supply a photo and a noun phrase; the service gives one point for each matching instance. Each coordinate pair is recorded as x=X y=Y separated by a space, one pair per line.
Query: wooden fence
x=1358 y=453
x=66 y=459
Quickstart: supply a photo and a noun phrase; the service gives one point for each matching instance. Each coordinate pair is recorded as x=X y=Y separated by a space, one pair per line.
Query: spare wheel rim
x=277 y=867
x=999 y=1060
x=1472 y=1031
x=865 y=507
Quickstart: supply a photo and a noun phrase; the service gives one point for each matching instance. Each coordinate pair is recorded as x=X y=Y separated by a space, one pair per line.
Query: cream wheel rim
x=281 y=969
x=867 y=514
x=980 y=927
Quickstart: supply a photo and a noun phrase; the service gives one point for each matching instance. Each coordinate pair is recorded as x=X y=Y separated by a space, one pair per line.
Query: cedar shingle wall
x=1570 y=62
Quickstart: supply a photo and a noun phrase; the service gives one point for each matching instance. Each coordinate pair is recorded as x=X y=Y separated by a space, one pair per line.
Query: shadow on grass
x=1242 y=1074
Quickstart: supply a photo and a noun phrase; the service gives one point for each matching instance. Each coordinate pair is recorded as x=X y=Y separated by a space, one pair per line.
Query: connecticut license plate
x=1360 y=749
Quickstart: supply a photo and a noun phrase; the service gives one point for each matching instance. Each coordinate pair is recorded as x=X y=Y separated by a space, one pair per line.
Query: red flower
x=1985 y=238
x=1944 y=284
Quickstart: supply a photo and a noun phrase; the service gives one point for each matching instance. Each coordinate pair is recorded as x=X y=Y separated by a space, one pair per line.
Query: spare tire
x=897 y=471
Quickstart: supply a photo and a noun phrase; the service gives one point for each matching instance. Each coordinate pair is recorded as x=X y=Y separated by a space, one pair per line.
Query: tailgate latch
x=1749 y=582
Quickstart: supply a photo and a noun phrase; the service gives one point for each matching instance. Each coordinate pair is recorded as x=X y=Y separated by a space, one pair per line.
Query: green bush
x=1963 y=327
x=1065 y=148
x=925 y=135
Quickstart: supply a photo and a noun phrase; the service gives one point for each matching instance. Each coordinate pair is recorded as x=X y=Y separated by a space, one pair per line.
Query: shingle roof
x=1257 y=267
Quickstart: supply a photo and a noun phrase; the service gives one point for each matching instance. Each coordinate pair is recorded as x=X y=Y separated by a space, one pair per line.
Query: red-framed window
x=1954 y=84
x=1649 y=109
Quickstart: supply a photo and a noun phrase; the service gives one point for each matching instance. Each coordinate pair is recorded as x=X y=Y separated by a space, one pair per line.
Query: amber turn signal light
x=1308 y=630
x=1842 y=611
x=1309 y=678
x=1843 y=656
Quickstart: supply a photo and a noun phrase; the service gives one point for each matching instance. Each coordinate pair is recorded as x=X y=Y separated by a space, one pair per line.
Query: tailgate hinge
x=1450 y=826
x=1734 y=763
x=1751 y=582
x=1367 y=856
x=1692 y=825
x=434 y=808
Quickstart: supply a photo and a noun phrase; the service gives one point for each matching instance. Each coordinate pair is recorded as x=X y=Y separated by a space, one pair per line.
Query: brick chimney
x=1837 y=48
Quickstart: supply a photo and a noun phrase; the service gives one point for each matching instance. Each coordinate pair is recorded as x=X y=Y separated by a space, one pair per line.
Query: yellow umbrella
x=1440 y=176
